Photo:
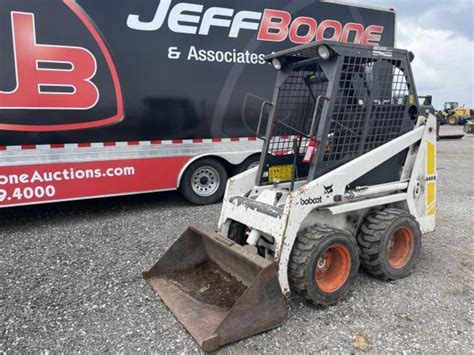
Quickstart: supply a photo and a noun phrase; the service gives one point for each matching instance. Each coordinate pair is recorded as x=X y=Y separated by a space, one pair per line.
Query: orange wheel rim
x=333 y=268
x=400 y=247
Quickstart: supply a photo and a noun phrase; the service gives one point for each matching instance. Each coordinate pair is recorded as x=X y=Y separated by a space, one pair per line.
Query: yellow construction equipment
x=455 y=114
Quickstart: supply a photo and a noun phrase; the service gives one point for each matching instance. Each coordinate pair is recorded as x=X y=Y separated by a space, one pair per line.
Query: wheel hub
x=322 y=262
x=400 y=247
x=333 y=268
x=205 y=181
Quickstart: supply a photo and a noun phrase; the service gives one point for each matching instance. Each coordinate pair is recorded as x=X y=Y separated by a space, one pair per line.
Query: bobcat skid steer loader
x=347 y=177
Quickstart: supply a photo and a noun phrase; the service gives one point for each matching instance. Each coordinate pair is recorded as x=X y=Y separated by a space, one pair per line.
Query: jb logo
x=40 y=87
x=46 y=77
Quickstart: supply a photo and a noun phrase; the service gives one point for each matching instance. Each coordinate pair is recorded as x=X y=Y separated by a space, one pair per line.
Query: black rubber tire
x=455 y=121
x=237 y=232
x=309 y=246
x=374 y=237
x=186 y=184
x=247 y=164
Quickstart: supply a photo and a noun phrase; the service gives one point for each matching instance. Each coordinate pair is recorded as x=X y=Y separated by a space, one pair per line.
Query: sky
x=441 y=34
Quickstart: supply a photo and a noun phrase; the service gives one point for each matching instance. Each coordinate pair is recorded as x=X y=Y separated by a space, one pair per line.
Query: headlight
x=276 y=63
x=324 y=52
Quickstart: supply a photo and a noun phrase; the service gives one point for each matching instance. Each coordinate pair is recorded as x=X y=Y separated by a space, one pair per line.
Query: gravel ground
x=71 y=280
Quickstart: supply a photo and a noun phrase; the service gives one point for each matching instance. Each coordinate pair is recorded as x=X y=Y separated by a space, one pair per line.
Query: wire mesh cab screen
x=292 y=118
x=358 y=99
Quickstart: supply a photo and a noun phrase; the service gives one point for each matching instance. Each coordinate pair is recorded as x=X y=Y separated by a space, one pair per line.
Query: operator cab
x=332 y=103
x=448 y=106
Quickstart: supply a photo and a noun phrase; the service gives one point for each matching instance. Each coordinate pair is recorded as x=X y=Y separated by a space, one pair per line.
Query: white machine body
x=275 y=215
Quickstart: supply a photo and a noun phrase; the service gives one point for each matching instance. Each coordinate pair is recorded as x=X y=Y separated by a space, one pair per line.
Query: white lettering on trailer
x=203 y=55
x=179 y=19
x=65 y=174
x=272 y=25
x=35 y=178
x=177 y=16
x=27 y=193
x=210 y=19
x=174 y=53
x=133 y=21
x=240 y=23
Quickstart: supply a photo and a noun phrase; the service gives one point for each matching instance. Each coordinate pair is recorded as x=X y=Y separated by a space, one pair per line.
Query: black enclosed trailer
x=113 y=97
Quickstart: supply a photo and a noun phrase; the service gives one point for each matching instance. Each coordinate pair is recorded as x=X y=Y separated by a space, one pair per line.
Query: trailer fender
x=232 y=158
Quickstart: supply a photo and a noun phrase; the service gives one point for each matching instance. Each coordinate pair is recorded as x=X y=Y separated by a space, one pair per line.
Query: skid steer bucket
x=220 y=291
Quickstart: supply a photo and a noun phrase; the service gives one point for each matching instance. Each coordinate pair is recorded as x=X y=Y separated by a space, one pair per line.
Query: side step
x=218 y=290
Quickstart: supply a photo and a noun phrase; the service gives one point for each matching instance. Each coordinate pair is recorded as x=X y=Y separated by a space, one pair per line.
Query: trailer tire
x=390 y=243
x=323 y=264
x=248 y=163
x=204 y=182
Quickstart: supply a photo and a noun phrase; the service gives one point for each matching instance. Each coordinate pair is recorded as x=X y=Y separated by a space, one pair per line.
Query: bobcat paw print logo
x=329 y=189
x=58 y=77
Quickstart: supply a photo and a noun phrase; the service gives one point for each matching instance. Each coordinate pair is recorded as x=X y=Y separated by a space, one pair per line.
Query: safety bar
x=266 y=103
x=315 y=114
